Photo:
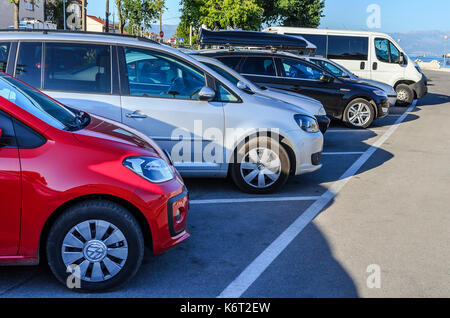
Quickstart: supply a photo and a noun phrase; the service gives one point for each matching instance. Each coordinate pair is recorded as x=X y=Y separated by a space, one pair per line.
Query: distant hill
x=419 y=43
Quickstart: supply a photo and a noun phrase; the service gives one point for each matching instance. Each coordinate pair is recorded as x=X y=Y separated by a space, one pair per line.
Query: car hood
x=309 y=104
x=103 y=129
x=275 y=103
x=385 y=87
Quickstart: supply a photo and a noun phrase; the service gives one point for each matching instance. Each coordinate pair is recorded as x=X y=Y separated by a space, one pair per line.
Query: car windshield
x=38 y=104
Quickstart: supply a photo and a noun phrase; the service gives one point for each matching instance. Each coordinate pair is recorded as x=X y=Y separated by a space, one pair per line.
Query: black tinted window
x=78 y=67
x=318 y=40
x=26 y=137
x=259 y=66
x=300 y=70
x=7 y=139
x=4 y=52
x=28 y=67
x=348 y=47
x=230 y=61
x=220 y=71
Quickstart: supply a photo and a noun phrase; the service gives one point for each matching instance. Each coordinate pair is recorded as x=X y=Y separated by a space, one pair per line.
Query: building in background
x=29 y=13
x=94 y=24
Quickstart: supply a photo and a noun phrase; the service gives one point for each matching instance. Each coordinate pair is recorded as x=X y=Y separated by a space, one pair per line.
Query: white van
x=369 y=55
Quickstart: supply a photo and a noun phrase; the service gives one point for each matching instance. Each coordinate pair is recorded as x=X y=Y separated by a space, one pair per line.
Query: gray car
x=307 y=103
x=208 y=126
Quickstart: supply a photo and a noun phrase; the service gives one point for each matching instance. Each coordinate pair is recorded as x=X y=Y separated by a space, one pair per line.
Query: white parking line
x=342 y=153
x=259 y=199
x=251 y=273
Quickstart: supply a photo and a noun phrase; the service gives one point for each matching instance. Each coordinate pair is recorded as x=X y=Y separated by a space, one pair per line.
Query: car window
x=259 y=66
x=4 y=53
x=333 y=69
x=225 y=95
x=155 y=74
x=26 y=137
x=34 y=102
x=77 y=67
x=28 y=67
x=222 y=72
x=348 y=47
x=395 y=53
x=382 y=50
x=230 y=61
x=318 y=40
x=8 y=138
x=301 y=70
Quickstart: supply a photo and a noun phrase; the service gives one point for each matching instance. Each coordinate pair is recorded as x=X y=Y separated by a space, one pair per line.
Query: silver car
x=340 y=71
x=209 y=127
x=307 y=103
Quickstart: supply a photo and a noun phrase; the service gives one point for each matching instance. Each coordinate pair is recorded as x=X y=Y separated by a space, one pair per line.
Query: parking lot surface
x=381 y=201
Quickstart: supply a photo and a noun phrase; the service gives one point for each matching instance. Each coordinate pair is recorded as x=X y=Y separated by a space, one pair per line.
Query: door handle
x=136 y=114
x=375 y=66
x=362 y=66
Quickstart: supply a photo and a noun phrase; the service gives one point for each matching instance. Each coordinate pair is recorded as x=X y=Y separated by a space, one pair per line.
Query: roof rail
x=47 y=31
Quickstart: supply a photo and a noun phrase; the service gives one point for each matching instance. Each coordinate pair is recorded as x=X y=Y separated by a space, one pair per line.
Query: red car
x=81 y=192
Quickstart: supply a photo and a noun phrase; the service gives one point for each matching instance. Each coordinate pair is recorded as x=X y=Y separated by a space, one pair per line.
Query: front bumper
x=324 y=123
x=307 y=148
x=383 y=108
x=420 y=87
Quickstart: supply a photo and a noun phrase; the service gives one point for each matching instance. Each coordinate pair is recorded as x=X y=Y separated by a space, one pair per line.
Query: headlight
x=322 y=111
x=380 y=93
x=307 y=123
x=153 y=169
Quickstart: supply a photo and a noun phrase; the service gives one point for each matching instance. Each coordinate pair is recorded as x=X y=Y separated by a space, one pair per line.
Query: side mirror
x=243 y=86
x=206 y=94
x=325 y=78
x=402 y=59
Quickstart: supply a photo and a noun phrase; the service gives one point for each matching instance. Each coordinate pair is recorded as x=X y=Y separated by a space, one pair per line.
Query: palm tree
x=16 y=4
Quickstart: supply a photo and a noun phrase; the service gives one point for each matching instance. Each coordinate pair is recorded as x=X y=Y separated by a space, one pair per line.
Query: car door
x=302 y=77
x=386 y=66
x=79 y=75
x=161 y=100
x=10 y=187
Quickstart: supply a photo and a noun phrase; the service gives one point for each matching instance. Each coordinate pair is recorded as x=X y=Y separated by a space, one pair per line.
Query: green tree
x=220 y=14
x=53 y=12
x=190 y=13
x=140 y=14
x=297 y=13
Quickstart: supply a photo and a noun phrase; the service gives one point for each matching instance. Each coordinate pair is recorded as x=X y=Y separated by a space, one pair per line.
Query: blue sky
x=396 y=15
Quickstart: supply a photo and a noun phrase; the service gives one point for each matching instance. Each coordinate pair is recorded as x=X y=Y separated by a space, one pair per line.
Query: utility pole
x=83 y=14
x=160 y=24
x=190 y=34
x=107 y=17
x=64 y=14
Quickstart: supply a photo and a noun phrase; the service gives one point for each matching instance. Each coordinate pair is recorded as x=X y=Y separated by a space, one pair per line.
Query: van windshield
x=38 y=104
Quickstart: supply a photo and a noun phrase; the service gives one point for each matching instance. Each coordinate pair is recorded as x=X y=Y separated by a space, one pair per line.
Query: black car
x=354 y=103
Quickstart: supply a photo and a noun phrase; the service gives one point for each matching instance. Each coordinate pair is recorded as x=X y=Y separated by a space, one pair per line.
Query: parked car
x=370 y=55
x=340 y=71
x=356 y=104
x=309 y=104
x=81 y=192
x=210 y=127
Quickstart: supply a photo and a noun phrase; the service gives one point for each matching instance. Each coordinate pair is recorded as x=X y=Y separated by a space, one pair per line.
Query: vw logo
x=95 y=251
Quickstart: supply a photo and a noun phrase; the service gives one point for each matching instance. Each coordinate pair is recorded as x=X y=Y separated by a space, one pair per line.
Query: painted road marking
x=259 y=199
x=342 y=153
x=251 y=273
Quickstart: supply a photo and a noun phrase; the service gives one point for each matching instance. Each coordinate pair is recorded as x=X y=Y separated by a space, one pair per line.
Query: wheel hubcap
x=260 y=168
x=402 y=95
x=98 y=249
x=359 y=114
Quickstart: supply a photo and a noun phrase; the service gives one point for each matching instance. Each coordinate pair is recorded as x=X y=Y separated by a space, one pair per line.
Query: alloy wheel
x=359 y=114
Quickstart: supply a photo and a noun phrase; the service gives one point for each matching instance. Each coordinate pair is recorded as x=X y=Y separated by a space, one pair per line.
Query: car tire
x=258 y=167
x=359 y=114
x=102 y=238
x=405 y=95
